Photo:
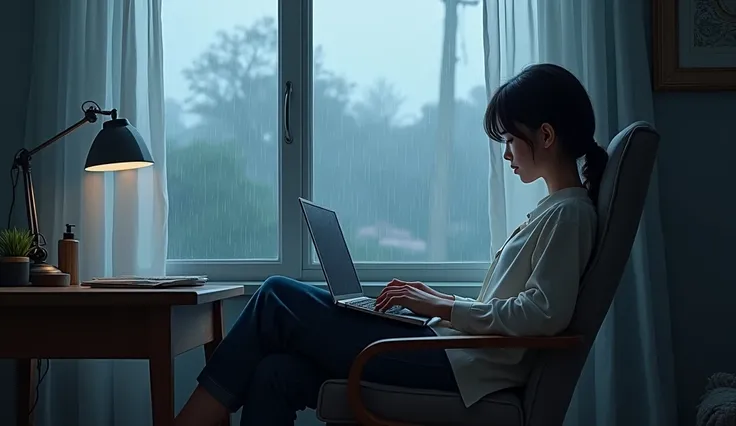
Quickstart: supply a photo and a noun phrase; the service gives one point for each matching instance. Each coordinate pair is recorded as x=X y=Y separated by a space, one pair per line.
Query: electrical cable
x=41 y=376
x=14 y=176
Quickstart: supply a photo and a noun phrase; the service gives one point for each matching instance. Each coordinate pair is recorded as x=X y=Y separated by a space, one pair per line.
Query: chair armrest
x=366 y=418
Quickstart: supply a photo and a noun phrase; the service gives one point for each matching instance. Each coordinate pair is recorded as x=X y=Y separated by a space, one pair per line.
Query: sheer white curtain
x=109 y=52
x=628 y=379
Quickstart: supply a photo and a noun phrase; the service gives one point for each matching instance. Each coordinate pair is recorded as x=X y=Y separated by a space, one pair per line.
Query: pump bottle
x=69 y=255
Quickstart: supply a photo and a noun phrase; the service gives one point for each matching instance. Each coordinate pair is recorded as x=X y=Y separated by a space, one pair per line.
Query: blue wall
x=696 y=187
x=696 y=169
x=16 y=46
x=16 y=42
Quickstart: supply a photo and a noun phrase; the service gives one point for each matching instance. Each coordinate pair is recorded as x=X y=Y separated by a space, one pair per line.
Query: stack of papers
x=146 y=282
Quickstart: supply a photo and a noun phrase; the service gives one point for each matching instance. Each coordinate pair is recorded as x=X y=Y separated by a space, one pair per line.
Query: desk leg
x=217 y=335
x=26 y=377
x=161 y=369
x=161 y=366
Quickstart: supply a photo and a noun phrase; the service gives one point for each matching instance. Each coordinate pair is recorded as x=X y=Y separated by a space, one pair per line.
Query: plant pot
x=15 y=271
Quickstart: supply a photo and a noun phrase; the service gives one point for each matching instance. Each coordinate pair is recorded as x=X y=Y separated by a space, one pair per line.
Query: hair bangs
x=500 y=118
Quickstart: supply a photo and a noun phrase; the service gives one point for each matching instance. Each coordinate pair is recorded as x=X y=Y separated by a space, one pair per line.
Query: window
x=386 y=129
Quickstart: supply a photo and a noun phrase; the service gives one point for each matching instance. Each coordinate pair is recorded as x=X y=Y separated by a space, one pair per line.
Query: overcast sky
x=399 y=40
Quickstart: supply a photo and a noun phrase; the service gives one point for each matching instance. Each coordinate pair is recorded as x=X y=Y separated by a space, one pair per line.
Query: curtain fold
x=629 y=376
x=108 y=52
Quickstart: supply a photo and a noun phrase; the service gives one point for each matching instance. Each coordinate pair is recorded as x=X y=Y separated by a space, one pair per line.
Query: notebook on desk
x=135 y=282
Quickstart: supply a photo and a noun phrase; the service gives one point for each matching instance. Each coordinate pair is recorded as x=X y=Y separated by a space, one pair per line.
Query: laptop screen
x=332 y=250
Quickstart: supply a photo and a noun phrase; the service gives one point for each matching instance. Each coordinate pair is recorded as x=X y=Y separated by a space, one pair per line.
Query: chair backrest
x=621 y=202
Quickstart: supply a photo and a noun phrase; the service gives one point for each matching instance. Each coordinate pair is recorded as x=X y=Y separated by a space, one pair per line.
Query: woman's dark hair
x=547 y=93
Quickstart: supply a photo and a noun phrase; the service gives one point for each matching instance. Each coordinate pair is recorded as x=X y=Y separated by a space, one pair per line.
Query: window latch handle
x=288 y=138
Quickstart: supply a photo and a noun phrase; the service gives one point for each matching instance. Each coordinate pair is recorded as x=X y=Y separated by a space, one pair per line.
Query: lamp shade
x=117 y=147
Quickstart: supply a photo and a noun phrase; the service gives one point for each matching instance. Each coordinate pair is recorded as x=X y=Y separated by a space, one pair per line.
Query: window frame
x=295 y=164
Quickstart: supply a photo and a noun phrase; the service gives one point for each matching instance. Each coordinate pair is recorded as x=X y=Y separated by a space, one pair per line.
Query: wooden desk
x=86 y=323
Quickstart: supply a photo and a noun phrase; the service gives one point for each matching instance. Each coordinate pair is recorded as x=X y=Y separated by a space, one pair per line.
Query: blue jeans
x=291 y=337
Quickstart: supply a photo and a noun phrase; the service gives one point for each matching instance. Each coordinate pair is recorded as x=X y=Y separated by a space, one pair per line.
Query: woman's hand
x=412 y=296
x=419 y=286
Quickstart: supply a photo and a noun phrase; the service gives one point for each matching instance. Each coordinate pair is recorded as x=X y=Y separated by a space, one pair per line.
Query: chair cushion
x=419 y=406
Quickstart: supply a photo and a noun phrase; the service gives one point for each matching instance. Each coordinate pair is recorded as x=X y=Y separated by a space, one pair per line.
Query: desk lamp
x=118 y=146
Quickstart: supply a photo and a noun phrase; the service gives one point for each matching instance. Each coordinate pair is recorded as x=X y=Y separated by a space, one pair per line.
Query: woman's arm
x=546 y=305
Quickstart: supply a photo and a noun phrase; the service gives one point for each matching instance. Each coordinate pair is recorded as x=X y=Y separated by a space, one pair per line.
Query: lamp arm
x=63 y=133
x=22 y=161
x=36 y=253
x=90 y=116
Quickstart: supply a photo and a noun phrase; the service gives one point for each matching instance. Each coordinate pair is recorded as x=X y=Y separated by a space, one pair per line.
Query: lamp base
x=46 y=275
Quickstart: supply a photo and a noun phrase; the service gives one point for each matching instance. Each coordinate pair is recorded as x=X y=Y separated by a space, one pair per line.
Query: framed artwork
x=694 y=44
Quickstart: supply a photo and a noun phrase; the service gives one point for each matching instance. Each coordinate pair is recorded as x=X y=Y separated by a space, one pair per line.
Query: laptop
x=337 y=265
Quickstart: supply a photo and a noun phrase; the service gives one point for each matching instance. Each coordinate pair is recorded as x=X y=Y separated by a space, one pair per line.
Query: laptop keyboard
x=371 y=304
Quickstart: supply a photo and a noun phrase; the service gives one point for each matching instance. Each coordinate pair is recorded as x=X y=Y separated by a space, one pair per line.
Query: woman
x=290 y=337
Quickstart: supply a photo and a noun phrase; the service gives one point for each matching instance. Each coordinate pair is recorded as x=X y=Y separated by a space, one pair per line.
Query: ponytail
x=596 y=159
x=550 y=94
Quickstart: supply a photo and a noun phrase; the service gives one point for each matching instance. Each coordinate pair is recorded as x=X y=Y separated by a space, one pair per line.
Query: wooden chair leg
x=218 y=332
x=26 y=377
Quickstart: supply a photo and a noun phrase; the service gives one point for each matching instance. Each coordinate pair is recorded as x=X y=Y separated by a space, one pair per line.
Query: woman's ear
x=547 y=134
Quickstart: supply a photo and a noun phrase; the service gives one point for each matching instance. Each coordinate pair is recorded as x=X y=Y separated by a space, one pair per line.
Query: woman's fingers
x=389 y=302
x=394 y=282
x=388 y=286
x=388 y=290
x=385 y=294
x=391 y=294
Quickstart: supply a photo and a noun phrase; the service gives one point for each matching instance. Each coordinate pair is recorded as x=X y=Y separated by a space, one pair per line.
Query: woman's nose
x=507 y=153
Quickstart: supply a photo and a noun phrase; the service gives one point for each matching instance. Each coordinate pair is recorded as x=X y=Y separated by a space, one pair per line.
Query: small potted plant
x=14 y=263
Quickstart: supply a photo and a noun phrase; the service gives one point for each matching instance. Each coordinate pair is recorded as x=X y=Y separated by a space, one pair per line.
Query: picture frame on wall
x=694 y=44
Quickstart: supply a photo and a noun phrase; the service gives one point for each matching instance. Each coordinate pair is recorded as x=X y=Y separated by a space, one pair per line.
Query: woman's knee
x=280 y=285
x=278 y=292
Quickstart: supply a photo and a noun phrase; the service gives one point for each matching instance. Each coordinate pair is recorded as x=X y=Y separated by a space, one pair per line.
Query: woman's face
x=519 y=155
x=534 y=161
